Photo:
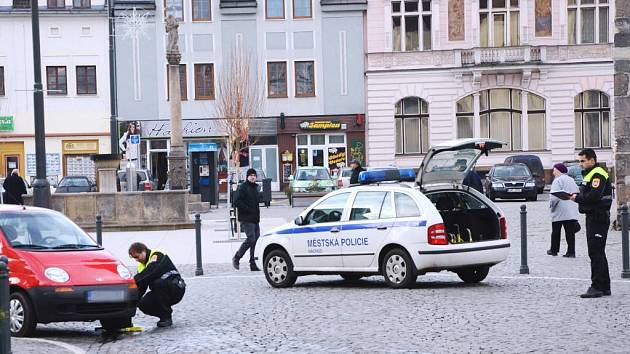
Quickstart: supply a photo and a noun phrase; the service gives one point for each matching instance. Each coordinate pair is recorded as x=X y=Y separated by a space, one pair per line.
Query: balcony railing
x=481 y=56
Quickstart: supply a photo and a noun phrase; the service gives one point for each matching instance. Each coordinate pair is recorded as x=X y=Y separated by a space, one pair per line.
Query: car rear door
x=370 y=221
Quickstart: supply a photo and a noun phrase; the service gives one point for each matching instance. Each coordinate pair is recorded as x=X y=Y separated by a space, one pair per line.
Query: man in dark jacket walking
x=356 y=169
x=246 y=202
x=14 y=187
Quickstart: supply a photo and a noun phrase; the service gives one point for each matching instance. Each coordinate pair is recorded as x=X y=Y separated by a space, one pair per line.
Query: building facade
x=75 y=77
x=536 y=74
x=307 y=56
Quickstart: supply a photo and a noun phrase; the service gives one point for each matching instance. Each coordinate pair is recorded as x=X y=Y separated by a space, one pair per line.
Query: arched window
x=412 y=126
x=588 y=21
x=500 y=117
x=592 y=120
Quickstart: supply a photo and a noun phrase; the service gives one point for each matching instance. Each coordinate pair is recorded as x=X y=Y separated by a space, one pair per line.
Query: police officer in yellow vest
x=595 y=200
x=157 y=273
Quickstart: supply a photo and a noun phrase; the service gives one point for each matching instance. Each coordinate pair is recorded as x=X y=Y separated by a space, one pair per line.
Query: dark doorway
x=159 y=168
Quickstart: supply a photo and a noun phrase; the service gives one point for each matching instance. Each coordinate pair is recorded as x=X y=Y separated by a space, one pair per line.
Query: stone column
x=622 y=101
x=177 y=177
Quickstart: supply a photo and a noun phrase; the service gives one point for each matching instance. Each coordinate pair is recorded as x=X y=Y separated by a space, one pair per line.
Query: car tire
x=398 y=269
x=113 y=324
x=473 y=275
x=21 y=315
x=350 y=277
x=278 y=269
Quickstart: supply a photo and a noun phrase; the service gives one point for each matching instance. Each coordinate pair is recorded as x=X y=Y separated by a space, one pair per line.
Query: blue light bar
x=379 y=175
x=407 y=174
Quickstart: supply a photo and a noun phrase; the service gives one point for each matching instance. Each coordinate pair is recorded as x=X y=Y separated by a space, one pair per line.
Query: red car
x=57 y=273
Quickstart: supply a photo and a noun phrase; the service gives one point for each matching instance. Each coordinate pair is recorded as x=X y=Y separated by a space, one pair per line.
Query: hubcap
x=17 y=315
x=277 y=269
x=396 y=269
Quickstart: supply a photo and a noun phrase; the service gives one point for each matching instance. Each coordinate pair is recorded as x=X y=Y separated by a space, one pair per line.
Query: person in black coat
x=246 y=202
x=356 y=169
x=14 y=187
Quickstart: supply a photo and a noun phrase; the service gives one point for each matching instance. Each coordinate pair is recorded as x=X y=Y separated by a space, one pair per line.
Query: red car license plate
x=96 y=296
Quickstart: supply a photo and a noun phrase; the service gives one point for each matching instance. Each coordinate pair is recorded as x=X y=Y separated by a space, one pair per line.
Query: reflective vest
x=601 y=171
x=140 y=267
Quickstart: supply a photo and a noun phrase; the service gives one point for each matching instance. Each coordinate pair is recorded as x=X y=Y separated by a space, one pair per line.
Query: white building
x=536 y=74
x=75 y=75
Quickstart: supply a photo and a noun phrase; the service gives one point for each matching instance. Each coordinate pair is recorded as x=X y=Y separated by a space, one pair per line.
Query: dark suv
x=510 y=181
x=535 y=167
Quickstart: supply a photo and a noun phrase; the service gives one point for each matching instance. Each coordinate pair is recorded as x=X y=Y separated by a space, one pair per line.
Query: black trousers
x=252 y=231
x=569 y=230
x=159 y=302
x=596 y=234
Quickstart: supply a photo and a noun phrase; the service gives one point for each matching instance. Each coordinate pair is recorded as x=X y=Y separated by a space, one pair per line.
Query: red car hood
x=84 y=267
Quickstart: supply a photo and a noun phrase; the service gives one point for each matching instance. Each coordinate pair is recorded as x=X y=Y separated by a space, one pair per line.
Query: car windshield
x=43 y=230
x=511 y=171
x=74 y=182
x=312 y=175
x=451 y=160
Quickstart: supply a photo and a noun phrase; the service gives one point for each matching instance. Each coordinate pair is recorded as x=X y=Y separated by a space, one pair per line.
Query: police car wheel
x=351 y=276
x=473 y=275
x=279 y=269
x=398 y=269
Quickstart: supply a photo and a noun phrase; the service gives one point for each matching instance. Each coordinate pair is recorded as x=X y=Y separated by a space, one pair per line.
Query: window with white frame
x=500 y=117
x=592 y=120
x=412 y=126
x=499 y=23
x=588 y=21
x=411 y=25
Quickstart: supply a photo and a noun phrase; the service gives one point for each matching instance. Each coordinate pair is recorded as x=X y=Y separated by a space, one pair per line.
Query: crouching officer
x=157 y=273
x=595 y=200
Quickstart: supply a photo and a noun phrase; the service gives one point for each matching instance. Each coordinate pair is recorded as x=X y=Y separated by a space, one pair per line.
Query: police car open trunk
x=467 y=214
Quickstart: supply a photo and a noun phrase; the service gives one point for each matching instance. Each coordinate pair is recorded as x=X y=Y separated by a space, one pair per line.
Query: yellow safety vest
x=601 y=171
x=140 y=267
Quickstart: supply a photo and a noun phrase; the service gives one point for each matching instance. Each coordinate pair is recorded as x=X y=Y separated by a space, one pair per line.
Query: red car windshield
x=43 y=231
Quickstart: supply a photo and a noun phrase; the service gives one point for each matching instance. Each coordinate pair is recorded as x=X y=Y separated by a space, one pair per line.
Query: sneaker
x=592 y=293
x=235 y=263
x=551 y=253
x=606 y=292
x=167 y=322
x=569 y=255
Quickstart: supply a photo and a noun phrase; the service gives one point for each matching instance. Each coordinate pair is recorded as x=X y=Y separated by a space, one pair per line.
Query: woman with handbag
x=563 y=212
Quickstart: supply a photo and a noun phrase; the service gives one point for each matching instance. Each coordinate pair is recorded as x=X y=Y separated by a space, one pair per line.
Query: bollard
x=524 y=267
x=199 y=270
x=99 y=230
x=625 y=273
x=5 y=314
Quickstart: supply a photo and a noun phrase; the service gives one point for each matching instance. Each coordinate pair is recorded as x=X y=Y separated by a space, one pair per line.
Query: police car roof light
x=379 y=175
x=407 y=174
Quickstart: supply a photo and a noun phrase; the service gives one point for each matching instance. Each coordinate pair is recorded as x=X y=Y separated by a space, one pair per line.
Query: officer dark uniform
x=356 y=170
x=158 y=274
x=595 y=200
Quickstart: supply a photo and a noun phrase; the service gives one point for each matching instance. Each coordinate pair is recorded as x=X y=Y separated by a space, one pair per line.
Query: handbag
x=576 y=226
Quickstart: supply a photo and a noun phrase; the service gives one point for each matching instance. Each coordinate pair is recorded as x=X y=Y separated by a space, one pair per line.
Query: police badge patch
x=595 y=182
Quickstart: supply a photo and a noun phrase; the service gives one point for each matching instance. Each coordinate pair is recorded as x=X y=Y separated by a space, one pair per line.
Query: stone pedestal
x=106 y=166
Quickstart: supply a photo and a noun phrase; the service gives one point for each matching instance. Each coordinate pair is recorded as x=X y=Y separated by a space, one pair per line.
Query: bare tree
x=240 y=98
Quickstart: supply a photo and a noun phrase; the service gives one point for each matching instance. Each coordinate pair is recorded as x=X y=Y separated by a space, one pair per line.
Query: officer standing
x=595 y=200
x=157 y=272
x=356 y=170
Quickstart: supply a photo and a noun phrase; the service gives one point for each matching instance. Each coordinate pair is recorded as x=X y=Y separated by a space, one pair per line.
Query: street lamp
x=41 y=187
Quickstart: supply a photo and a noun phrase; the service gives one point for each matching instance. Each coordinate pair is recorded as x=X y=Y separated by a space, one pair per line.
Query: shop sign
x=321 y=125
x=202 y=147
x=80 y=146
x=190 y=128
x=336 y=157
x=6 y=123
x=53 y=165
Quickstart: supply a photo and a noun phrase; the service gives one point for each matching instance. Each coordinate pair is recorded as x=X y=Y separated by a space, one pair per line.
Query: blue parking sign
x=134 y=139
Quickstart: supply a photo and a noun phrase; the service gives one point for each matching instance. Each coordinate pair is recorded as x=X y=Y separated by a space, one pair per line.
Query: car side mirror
x=299 y=220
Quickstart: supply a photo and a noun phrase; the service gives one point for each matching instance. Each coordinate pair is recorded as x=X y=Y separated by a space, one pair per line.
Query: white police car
x=393 y=229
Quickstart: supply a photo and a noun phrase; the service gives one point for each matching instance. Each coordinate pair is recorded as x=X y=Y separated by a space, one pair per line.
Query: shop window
x=588 y=21
x=318 y=139
x=204 y=81
x=302 y=9
x=277 y=79
x=86 y=80
x=592 y=120
x=337 y=139
x=302 y=139
x=56 y=80
x=412 y=126
x=304 y=78
x=411 y=25
x=499 y=23
x=274 y=9
x=201 y=10
x=175 y=8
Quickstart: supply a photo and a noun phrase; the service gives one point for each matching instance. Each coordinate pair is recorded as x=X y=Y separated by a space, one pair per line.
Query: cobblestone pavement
x=229 y=311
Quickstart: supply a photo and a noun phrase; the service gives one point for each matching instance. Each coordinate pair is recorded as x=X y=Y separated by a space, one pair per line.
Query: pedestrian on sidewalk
x=595 y=200
x=356 y=169
x=564 y=212
x=247 y=205
x=14 y=187
x=157 y=272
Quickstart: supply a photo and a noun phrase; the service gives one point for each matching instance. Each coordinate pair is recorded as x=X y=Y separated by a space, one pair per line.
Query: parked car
x=75 y=184
x=311 y=179
x=144 y=179
x=535 y=167
x=58 y=273
x=343 y=177
x=574 y=170
x=510 y=181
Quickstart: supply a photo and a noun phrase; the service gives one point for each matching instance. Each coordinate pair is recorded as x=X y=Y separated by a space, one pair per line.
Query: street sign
x=134 y=139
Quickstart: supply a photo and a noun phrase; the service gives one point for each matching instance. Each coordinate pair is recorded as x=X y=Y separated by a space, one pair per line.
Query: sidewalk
x=42 y=346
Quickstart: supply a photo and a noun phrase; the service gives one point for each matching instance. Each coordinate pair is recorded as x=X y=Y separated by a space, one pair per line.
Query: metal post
x=5 y=314
x=625 y=273
x=113 y=99
x=524 y=267
x=41 y=186
x=99 y=230
x=199 y=270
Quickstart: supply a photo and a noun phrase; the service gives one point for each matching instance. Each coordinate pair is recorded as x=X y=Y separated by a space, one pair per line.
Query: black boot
x=592 y=293
x=165 y=322
x=235 y=263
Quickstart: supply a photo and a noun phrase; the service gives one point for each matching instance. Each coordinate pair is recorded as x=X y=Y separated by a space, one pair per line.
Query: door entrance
x=11 y=157
x=159 y=167
x=265 y=157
